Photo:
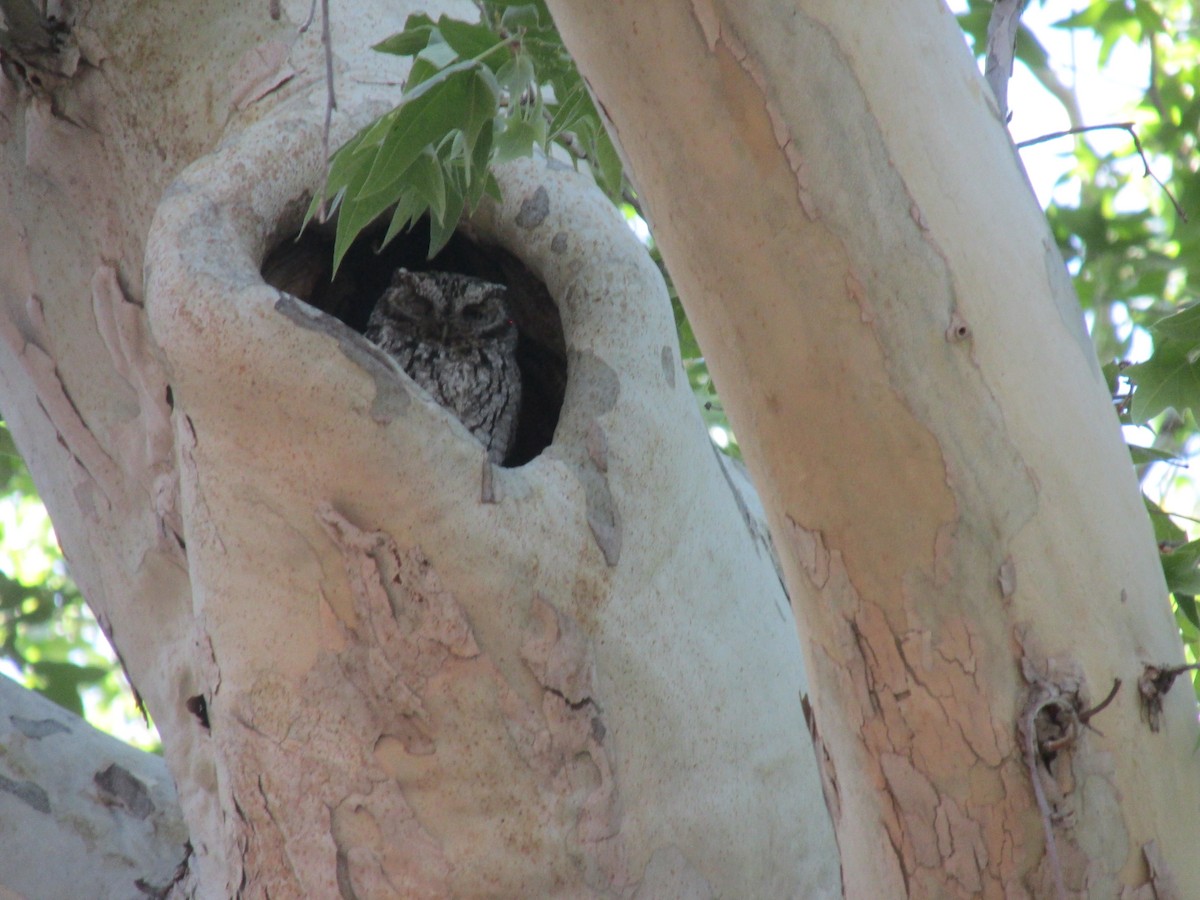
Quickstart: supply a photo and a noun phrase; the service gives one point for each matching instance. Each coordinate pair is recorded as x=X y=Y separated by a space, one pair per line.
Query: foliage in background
x=49 y=640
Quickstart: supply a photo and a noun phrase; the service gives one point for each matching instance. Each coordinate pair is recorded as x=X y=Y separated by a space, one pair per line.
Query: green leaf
x=355 y=214
x=574 y=106
x=1183 y=325
x=1170 y=378
x=524 y=16
x=491 y=187
x=515 y=141
x=61 y=681
x=1144 y=455
x=688 y=348
x=441 y=229
x=478 y=109
x=41 y=611
x=1180 y=568
x=440 y=55
x=476 y=177
x=409 y=208
x=422 y=70
x=516 y=76
x=436 y=111
x=1165 y=530
x=427 y=183
x=473 y=41
x=1187 y=606
x=418 y=31
x=1089 y=17
x=610 y=168
x=354 y=159
x=12 y=592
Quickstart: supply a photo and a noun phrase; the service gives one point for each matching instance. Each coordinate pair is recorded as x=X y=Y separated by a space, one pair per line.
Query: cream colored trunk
x=380 y=666
x=899 y=350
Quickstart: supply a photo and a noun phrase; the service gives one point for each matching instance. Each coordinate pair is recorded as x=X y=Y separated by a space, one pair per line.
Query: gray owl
x=454 y=336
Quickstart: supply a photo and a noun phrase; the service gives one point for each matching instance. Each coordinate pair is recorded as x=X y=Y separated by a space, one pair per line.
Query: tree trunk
x=899 y=350
x=381 y=665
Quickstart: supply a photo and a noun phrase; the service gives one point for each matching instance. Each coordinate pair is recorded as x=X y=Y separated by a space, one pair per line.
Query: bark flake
x=36 y=729
x=118 y=787
x=392 y=399
x=811 y=551
x=27 y=792
x=534 y=209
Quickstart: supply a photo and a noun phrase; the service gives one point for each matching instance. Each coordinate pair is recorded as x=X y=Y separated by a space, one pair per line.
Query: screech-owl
x=454 y=336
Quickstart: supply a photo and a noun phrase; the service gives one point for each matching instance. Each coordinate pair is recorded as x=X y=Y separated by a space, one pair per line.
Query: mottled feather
x=454 y=336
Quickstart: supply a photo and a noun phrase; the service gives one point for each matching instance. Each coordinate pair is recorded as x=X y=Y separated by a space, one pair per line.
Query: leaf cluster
x=477 y=94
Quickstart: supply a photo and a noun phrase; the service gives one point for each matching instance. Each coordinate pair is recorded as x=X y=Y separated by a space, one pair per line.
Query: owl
x=454 y=336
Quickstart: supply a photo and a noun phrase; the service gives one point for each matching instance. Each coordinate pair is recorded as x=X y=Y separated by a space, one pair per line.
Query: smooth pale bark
x=898 y=347
x=379 y=665
x=81 y=814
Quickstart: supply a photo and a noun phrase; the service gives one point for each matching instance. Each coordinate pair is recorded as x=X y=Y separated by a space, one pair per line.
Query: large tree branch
x=898 y=348
x=82 y=814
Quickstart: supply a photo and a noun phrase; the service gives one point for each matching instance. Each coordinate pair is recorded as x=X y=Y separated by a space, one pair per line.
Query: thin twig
x=1122 y=126
x=1054 y=135
x=1088 y=713
x=330 y=96
x=312 y=12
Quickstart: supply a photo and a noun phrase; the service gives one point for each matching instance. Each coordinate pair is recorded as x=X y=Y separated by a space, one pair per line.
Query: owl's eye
x=420 y=306
x=472 y=312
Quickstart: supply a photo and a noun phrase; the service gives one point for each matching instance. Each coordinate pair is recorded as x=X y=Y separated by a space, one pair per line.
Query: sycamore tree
x=383 y=666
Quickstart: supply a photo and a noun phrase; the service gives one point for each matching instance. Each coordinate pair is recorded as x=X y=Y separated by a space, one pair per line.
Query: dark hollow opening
x=303 y=267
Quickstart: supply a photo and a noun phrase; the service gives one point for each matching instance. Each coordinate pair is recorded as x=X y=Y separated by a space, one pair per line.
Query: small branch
x=1122 y=126
x=1153 y=686
x=330 y=96
x=1099 y=707
x=312 y=12
x=1054 y=135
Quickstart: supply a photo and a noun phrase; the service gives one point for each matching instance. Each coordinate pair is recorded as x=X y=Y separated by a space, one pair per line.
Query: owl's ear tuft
x=402 y=277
